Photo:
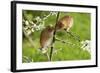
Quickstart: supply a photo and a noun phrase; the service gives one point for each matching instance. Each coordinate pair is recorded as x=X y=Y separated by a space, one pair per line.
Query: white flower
x=25 y=28
x=28 y=32
x=32 y=29
x=34 y=25
x=38 y=18
x=26 y=22
x=32 y=22
x=53 y=13
x=38 y=28
x=45 y=18
x=86 y=45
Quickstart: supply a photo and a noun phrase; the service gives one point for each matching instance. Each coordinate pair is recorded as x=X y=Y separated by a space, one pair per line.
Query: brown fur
x=65 y=22
x=46 y=34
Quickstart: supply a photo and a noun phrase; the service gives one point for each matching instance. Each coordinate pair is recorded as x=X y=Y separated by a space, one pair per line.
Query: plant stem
x=74 y=36
x=65 y=42
x=53 y=41
x=28 y=37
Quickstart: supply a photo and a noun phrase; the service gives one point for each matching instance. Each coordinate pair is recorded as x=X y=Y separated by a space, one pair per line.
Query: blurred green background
x=62 y=52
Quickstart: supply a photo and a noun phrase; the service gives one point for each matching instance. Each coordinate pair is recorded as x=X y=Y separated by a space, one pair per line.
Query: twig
x=28 y=37
x=65 y=42
x=48 y=56
x=74 y=36
x=53 y=41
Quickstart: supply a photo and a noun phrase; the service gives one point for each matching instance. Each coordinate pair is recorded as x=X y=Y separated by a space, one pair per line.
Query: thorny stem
x=53 y=41
x=65 y=42
x=74 y=36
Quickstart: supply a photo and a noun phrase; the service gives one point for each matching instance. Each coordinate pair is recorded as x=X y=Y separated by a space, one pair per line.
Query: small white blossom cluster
x=53 y=13
x=38 y=19
x=86 y=45
x=30 y=27
x=50 y=14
